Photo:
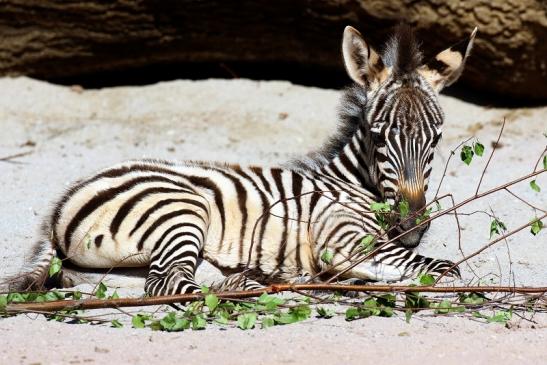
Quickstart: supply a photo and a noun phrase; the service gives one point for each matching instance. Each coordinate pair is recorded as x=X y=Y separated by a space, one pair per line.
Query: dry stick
x=459 y=228
x=490 y=158
x=11 y=157
x=491 y=243
x=511 y=274
x=525 y=202
x=277 y=288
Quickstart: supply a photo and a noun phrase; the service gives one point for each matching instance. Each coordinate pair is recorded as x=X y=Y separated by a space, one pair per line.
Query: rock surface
x=66 y=133
x=52 y=39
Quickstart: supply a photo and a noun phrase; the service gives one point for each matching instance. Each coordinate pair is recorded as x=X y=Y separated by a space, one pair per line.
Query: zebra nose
x=416 y=203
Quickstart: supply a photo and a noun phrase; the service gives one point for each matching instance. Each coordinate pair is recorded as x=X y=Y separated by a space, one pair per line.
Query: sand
x=70 y=132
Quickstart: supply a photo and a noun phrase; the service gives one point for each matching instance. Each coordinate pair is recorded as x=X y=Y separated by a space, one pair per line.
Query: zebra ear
x=447 y=66
x=363 y=64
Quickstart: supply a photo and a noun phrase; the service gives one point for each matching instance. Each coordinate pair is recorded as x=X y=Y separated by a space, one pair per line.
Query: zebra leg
x=395 y=263
x=237 y=281
x=174 y=261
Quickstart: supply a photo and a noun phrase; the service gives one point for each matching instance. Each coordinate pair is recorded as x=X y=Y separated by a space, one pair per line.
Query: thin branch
x=490 y=244
x=525 y=202
x=490 y=158
x=58 y=305
x=9 y=158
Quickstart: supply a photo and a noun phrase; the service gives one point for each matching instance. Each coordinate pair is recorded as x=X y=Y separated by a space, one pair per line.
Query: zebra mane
x=402 y=51
x=351 y=116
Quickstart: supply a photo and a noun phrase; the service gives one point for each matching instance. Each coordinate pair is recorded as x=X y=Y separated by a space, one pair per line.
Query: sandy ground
x=69 y=133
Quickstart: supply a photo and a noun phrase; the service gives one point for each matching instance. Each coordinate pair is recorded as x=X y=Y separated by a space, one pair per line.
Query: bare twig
x=9 y=158
x=490 y=158
x=58 y=305
x=490 y=244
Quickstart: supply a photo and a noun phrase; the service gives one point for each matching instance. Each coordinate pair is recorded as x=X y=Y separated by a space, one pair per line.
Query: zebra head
x=402 y=121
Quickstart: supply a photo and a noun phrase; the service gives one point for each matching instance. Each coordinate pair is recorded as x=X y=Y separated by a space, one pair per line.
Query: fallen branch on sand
x=60 y=305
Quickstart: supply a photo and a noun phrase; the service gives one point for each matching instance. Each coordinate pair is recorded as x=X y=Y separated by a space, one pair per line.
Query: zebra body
x=273 y=224
x=167 y=215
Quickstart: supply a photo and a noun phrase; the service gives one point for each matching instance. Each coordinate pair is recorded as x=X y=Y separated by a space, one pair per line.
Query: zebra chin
x=410 y=239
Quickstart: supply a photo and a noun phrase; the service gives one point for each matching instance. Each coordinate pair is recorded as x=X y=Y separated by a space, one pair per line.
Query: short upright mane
x=402 y=52
x=351 y=115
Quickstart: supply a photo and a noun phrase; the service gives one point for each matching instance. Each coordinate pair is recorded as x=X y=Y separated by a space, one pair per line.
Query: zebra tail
x=34 y=274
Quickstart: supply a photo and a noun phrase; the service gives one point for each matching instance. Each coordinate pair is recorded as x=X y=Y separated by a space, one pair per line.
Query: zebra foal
x=273 y=224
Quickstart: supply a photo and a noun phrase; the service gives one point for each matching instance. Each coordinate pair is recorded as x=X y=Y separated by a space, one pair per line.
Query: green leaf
x=211 y=301
x=426 y=279
x=478 y=148
x=228 y=306
x=327 y=256
x=387 y=300
x=270 y=302
x=367 y=243
x=500 y=317
x=295 y=314
x=442 y=307
x=536 y=226
x=53 y=295
x=300 y=312
x=76 y=295
x=3 y=303
x=472 y=298
x=101 y=291
x=466 y=154
x=496 y=226
x=246 y=321
x=198 y=322
x=425 y=215
x=351 y=314
x=16 y=298
x=267 y=322
x=323 y=312
x=114 y=295
x=284 y=318
x=408 y=315
x=415 y=301
x=222 y=316
x=171 y=323
x=545 y=162
x=404 y=208
x=380 y=207
x=139 y=320
x=55 y=266
x=535 y=186
x=116 y=324
x=168 y=322
x=204 y=289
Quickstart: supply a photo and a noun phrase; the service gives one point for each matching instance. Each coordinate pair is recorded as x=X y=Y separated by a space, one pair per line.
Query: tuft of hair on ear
x=402 y=51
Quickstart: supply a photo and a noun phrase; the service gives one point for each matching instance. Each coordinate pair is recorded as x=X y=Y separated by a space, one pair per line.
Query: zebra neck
x=351 y=164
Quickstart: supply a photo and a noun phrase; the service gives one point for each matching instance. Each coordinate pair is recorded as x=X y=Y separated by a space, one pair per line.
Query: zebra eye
x=378 y=139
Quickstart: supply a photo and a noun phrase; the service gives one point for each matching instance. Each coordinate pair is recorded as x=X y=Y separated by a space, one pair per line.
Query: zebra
x=273 y=224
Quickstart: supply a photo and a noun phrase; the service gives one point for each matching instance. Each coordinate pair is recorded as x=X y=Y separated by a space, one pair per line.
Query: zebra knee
x=177 y=281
